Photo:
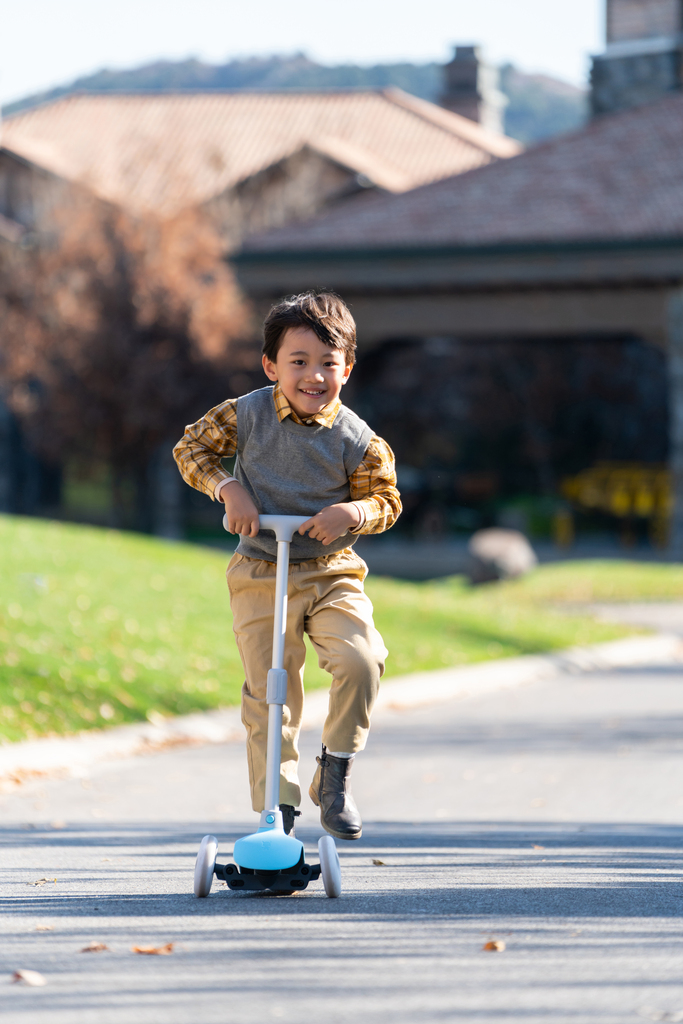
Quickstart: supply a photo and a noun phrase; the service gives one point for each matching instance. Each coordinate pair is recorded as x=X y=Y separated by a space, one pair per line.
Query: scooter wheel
x=204 y=865
x=329 y=866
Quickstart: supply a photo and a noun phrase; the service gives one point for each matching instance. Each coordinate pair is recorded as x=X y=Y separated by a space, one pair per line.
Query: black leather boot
x=331 y=792
x=289 y=813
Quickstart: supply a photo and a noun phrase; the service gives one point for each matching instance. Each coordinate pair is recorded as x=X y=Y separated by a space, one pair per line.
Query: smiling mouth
x=313 y=394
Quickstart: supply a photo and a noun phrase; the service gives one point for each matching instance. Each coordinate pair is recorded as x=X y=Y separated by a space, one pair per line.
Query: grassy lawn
x=99 y=627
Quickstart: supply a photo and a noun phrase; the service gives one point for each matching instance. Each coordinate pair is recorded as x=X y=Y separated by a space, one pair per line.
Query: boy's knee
x=362 y=663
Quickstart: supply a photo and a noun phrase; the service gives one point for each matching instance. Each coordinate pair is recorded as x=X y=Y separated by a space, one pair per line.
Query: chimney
x=471 y=89
x=643 y=54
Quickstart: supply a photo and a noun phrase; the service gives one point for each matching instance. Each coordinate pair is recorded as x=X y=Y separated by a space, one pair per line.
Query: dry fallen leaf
x=30 y=978
x=154 y=950
x=57 y=825
x=94 y=947
x=494 y=946
x=537 y=847
x=42 y=881
x=673 y=1016
x=378 y=863
x=44 y=928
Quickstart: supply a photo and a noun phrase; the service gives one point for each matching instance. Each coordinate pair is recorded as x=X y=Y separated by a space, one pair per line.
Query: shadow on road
x=532 y=870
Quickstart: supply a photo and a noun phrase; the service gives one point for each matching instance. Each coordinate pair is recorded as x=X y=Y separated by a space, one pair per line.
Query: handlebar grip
x=284 y=527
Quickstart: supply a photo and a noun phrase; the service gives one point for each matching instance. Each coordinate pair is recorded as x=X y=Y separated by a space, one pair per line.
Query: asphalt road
x=549 y=818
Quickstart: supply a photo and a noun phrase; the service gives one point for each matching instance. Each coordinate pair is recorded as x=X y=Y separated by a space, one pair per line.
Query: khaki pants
x=327 y=601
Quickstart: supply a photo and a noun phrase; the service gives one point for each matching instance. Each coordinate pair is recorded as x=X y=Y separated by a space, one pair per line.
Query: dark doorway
x=475 y=422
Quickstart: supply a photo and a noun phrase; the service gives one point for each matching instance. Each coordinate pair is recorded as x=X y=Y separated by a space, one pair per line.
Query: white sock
x=340 y=753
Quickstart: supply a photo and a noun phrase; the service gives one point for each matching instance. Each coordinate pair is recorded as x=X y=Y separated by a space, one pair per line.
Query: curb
x=74 y=755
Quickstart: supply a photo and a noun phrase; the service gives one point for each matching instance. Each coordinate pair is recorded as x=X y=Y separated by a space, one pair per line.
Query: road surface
x=548 y=818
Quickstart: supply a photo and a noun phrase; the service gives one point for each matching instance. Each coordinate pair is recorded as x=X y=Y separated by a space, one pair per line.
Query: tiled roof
x=167 y=151
x=619 y=178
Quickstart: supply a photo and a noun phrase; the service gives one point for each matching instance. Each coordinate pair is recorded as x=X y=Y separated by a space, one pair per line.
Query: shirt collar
x=325 y=418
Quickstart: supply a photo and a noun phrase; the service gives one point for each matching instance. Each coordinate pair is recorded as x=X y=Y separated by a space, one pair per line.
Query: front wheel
x=330 y=868
x=204 y=865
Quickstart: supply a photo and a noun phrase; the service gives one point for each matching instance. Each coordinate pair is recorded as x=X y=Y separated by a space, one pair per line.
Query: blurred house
x=199 y=173
x=251 y=160
x=527 y=285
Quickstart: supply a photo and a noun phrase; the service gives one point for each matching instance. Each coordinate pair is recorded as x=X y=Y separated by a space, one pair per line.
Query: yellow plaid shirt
x=214 y=437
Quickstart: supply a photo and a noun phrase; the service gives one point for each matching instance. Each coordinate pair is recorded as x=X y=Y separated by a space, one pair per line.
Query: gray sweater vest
x=295 y=470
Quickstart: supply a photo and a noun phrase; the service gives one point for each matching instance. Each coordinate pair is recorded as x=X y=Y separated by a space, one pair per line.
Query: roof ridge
x=361 y=160
x=483 y=138
x=78 y=94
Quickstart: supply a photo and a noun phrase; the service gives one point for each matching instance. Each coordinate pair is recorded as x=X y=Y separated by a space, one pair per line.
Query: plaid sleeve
x=203 y=445
x=373 y=486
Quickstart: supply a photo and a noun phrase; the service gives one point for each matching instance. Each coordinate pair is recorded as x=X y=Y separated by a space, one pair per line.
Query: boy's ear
x=269 y=368
x=347 y=372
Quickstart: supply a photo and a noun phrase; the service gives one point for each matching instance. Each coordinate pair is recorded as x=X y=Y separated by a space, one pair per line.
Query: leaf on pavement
x=94 y=947
x=378 y=863
x=33 y=978
x=537 y=847
x=650 y=1013
x=42 y=881
x=154 y=950
x=494 y=946
x=44 y=928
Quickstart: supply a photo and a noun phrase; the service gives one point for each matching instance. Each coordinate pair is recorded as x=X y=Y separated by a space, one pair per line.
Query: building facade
x=560 y=272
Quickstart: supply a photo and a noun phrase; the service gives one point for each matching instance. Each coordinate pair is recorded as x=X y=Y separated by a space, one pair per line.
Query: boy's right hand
x=240 y=510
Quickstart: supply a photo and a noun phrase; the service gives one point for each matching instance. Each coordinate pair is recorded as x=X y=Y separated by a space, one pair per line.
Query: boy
x=301 y=452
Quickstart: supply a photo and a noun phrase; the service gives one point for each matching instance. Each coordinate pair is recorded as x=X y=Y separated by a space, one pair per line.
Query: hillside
x=99 y=627
x=539 y=106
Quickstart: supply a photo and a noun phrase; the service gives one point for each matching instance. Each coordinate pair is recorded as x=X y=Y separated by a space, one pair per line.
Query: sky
x=50 y=42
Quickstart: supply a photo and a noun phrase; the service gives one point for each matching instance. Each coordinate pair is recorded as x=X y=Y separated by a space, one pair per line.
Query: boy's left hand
x=331 y=522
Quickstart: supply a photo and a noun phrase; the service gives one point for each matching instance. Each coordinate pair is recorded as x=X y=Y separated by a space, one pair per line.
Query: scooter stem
x=284 y=528
x=274 y=748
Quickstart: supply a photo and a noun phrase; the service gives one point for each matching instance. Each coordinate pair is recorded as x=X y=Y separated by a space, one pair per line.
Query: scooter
x=268 y=858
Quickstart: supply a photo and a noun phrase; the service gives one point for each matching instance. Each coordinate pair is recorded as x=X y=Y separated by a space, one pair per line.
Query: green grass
x=99 y=627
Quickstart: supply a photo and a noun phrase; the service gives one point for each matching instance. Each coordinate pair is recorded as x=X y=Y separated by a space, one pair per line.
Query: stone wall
x=643 y=58
x=618 y=83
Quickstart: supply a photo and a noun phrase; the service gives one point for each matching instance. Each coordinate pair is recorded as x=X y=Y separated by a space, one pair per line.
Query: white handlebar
x=284 y=527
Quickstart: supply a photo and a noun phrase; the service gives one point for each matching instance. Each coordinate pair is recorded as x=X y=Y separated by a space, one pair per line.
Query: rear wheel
x=204 y=865
x=330 y=868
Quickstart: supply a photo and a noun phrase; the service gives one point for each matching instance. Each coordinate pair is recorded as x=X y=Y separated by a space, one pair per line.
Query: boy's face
x=310 y=373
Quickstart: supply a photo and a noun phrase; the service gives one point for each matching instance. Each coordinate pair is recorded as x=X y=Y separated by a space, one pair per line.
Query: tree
x=115 y=332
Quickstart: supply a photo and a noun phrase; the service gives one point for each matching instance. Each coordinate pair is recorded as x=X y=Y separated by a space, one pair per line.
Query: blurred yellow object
x=659 y=531
x=623 y=489
x=563 y=528
x=619 y=499
x=644 y=502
